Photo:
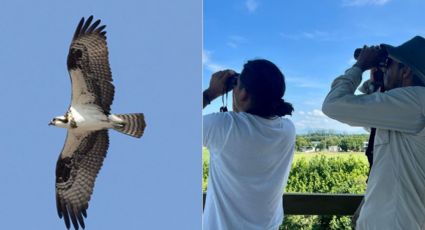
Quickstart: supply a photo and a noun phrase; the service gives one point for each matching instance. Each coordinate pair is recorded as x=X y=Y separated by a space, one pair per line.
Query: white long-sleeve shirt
x=250 y=159
x=395 y=194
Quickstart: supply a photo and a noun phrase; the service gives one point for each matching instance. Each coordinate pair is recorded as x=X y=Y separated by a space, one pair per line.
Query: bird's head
x=60 y=121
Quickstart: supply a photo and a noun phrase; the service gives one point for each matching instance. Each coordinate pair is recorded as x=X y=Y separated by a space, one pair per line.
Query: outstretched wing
x=76 y=170
x=88 y=66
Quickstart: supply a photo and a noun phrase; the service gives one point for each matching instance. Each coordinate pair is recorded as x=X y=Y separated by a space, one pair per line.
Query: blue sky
x=155 y=49
x=311 y=41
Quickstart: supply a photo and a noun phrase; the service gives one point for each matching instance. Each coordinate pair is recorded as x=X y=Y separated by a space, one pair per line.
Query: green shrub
x=205 y=167
x=325 y=173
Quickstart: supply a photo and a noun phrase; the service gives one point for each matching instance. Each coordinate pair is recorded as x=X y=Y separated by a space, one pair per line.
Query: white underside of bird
x=85 y=116
x=90 y=118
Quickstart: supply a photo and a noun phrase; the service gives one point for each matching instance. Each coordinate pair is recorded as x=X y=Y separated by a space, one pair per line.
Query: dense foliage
x=205 y=168
x=325 y=173
x=320 y=173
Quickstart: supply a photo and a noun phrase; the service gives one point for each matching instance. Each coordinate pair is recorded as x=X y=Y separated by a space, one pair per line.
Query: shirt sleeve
x=216 y=128
x=399 y=109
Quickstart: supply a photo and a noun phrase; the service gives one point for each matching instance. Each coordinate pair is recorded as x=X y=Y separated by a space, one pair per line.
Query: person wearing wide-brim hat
x=395 y=194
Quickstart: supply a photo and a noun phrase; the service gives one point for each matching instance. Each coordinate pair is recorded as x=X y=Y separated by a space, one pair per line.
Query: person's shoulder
x=417 y=89
x=288 y=125
x=214 y=115
x=413 y=92
x=218 y=117
x=238 y=115
x=287 y=122
x=409 y=89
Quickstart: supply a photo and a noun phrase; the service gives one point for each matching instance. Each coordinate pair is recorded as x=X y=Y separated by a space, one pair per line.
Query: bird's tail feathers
x=132 y=124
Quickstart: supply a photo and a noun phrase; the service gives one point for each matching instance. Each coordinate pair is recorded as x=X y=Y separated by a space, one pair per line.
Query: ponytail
x=270 y=109
x=283 y=108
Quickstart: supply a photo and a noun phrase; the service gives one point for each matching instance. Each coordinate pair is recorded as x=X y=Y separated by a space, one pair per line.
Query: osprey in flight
x=88 y=119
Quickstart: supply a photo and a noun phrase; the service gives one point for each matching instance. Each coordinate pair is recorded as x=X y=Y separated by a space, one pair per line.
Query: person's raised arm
x=398 y=109
x=217 y=86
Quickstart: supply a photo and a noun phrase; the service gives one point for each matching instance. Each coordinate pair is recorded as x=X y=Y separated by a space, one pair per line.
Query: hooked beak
x=51 y=123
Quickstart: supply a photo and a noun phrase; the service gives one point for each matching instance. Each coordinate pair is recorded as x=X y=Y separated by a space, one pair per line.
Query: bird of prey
x=88 y=119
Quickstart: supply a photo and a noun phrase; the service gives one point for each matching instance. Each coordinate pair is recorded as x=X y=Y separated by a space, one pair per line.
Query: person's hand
x=368 y=57
x=372 y=74
x=218 y=83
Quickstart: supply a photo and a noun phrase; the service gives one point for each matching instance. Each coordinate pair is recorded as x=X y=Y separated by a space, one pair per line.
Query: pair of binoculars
x=378 y=75
x=381 y=59
x=232 y=81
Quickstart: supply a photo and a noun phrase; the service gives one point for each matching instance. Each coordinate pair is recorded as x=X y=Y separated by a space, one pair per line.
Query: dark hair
x=416 y=80
x=266 y=86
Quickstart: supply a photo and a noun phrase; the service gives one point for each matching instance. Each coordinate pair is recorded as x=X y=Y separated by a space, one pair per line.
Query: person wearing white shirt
x=251 y=149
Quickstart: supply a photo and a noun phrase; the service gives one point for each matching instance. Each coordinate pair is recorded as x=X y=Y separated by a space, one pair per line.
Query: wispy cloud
x=209 y=64
x=305 y=82
x=251 y=5
x=316 y=120
x=314 y=101
x=312 y=35
x=364 y=2
x=235 y=41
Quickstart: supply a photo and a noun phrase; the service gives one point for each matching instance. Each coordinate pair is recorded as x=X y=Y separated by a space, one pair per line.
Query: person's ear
x=243 y=95
x=406 y=75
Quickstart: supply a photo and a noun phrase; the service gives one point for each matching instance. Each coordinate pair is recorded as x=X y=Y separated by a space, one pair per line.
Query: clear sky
x=311 y=41
x=155 y=49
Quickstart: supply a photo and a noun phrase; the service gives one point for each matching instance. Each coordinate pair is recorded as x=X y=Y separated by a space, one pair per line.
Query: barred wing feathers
x=88 y=66
x=76 y=170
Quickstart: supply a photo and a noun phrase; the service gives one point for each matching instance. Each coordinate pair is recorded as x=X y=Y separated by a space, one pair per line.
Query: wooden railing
x=319 y=203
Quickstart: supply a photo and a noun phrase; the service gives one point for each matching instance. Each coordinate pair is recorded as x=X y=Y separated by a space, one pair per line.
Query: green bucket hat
x=410 y=53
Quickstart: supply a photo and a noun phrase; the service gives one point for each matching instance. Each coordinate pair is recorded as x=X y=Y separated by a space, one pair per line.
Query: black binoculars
x=381 y=59
x=232 y=81
x=378 y=75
